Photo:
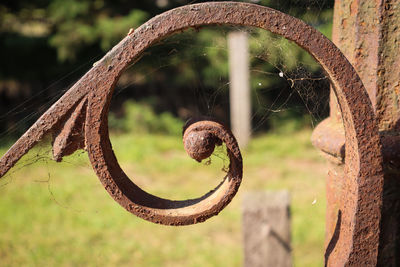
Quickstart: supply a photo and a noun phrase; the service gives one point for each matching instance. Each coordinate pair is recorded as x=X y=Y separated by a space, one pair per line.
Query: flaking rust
x=357 y=235
x=199 y=140
x=368 y=33
x=71 y=137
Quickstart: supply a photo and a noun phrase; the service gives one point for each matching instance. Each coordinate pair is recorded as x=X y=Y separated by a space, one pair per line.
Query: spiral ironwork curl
x=165 y=211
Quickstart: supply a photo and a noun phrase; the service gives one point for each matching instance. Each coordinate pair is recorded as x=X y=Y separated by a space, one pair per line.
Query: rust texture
x=72 y=136
x=198 y=140
x=368 y=34
x=357 y=238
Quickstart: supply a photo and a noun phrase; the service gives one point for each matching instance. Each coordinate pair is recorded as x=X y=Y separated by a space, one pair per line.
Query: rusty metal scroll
x=79 y=120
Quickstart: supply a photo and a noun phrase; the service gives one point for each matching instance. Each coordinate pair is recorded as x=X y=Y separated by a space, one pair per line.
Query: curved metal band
x=359 y=224
x=150 y=207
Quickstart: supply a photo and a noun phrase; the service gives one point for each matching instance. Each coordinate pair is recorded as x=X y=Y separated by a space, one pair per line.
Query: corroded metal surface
x=368 y=33
x=329 y=137
x=71 y=136
x=199 y=140
x=359 y=207
x=152 y=208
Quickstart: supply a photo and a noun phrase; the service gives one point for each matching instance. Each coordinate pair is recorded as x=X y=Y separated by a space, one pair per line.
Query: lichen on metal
x=358 y=224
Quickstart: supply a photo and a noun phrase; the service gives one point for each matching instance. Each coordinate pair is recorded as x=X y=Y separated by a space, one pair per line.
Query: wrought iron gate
x=79 y=121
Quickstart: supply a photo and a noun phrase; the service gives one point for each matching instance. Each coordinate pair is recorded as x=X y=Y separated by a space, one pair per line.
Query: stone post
x=266 y=229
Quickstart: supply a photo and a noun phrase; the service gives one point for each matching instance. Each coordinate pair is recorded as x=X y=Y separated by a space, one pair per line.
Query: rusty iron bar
x=368 y=33
x=357 y=228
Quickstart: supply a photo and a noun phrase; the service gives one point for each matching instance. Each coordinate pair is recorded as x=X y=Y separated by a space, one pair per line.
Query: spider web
x=286 y=83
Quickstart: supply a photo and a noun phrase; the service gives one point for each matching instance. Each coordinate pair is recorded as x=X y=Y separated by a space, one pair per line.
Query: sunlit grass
x=54 y=214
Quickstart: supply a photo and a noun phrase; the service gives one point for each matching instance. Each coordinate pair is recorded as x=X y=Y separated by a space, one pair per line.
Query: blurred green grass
x=58 y=214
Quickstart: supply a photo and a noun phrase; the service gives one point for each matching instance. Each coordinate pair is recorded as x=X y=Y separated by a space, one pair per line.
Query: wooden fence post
x=239 y=93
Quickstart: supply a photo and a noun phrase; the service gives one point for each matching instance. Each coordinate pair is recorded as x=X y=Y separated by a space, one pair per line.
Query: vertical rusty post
x=368 y=33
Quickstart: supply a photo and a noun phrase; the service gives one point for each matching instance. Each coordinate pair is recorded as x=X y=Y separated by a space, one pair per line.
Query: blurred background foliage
x=46 y=45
